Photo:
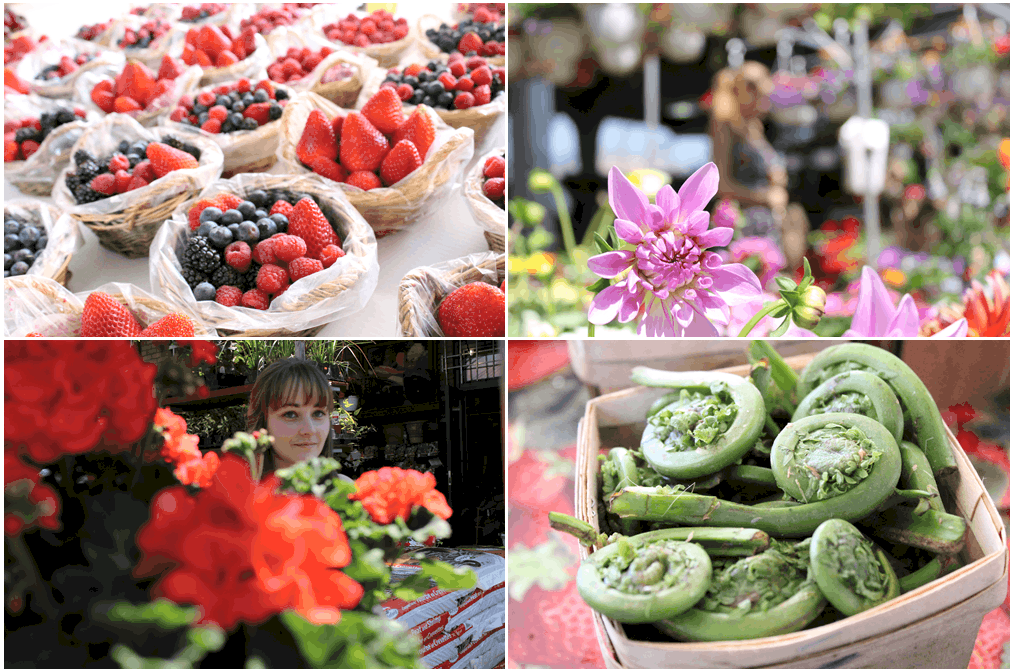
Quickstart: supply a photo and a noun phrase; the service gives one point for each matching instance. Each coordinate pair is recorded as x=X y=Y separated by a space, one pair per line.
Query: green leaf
x=614 y=238
x=546 y=565
x=785 y=284
x=781 y=311
x=790 y=297
x=211 y=639
x=161 y=612
x=316 y=642
x=448 y=577
x=780 y=330
x=808 y=271
x=600 y=285
x=358 y=641
x=601 y=244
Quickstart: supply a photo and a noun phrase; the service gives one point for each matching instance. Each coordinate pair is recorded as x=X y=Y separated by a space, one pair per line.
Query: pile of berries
x=136 y=87
x=66 y=66
x=15 y=84
x=216 y=46
x=270 y=18
x=476 y=310
x=192 y=14
x=377 y=147
x=23 y=241
x=227 y=108
x=143 y=37
x=22 y=138
x=460 y=84
x=89 y=33
x=132 y=166
x=484 y=39
x=105 y=317
x=495 y=181
x=483 y=12
x=380 y=27
x=247 y=252
x=16 y=49
x=13 y=22
x=296 y=63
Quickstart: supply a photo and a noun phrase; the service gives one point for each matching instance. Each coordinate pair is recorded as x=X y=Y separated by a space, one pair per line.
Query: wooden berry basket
x=904 y=632
x=487 y=214
x=431 y=51
x=422 y=289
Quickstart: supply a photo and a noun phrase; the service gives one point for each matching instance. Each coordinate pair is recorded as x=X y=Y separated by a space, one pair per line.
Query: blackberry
x=202 y=255
x=248 y=280
x=88 y=171
x=192 y=150
x=226 y=274
x=193 y=276
x=82 y=156
x=173 y=141
x=73 y=181
x=64 y=115
x=85 y=194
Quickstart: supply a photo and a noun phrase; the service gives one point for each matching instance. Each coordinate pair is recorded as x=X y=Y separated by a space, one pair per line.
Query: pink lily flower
x=876 y=316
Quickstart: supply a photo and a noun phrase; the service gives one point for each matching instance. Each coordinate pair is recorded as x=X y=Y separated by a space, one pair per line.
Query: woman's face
x=299 y=429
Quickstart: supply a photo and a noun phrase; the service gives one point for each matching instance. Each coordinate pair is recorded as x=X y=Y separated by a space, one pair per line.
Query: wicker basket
x=422 y=289
x=34 y=304
x=311 y=303
x=903 y=632
x=152 y=54
x=62 y=231
x=433 y=52
x=158 y=108
x=487 y=214
x=37 y=175
x=126 y=223
x=386 y=55
x=251 y=67
x=105 y=60
x=342 y=93
x=391 y=209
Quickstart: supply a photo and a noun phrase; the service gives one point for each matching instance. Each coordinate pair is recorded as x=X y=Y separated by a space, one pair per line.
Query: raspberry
x=271 y=278
x=122 y=181
x=448 y=80
x=238 y=255
x=457 y=68
x=145 y=171
x=206 y=98
x=413 y=70
x=493 y=188
x=475 y=62
x=330 y=254
x=303 y=266
x=29 y=147
x=218 y=112
x=464 y=100
x=137 y=182
x=118 y=162
x=289 y=247
x=178 y=114
x=465 y=84
x=104 y=183
x=243 y=85
x=483 y=94
x=264 y=252
x=405 y=91
x=229 y=296
x=494 y=167
x=282 y=207
x=212 y=126
x=256 y=299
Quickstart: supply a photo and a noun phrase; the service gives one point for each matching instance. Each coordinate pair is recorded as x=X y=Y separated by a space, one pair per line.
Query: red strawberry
x=210 y=40
x=303 y=266
x=483 y=94
x=173 y=325
x=10 y=151
x=103 y=96
x=164 y=159
x=29 y=147
x=67 y=66
x=267 y=86
x=325 y=167
x=193 y=216
x=259 y=112
x=317 y=138
x=493 y=188
x=170 y=68
x=104 y=183
x=363 y=147
x=336 y=123
x=105 y=317
x=310 y=224
x=227 y=201
x=123 y=179
x=225 y=59
x=383 y=110
x=125 y=105
x=402 y=160
x=420 y=129
x=364 y=179
x=470 y=42
x=481 y=75
x=475 y=310
x=137 y=82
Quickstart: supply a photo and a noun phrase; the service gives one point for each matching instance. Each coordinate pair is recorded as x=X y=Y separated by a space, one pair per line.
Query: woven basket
x=126 y=223
x=251 y=67
x=394 y=208
x=34 y=304
x=901 y=633
x=37 y=175
x=420 y=292
x=158 y=108
x=229 y=16
x=311 y=303
x=342 y=93
x=487 y=214
x=152 y=54
x=433 y=52
x=386 y=55
x=62 y=231
x=105 y=60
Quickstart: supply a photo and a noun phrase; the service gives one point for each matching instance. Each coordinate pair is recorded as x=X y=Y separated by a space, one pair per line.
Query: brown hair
x=733 y=87
x=277 y=385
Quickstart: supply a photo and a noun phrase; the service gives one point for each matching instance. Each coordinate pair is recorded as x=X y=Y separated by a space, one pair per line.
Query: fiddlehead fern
x=857 y=392
x=853 y=574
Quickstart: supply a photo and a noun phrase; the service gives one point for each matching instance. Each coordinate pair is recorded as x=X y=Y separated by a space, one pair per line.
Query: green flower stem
x=916 y=473
x=590 y=330
x=771 y=426
x=767 y=309
x=565 y=225
x=922 y=417
x=859 y=392
x=33 y=581
x=752 y=475
x=937 y=532
x=853 y=573
x=938 y=567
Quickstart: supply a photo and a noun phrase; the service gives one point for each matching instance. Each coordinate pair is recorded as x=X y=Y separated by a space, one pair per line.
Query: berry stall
x=257 y=170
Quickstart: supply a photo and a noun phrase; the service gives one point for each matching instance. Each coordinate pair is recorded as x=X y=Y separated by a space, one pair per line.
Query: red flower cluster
x=390 y=493
x=240 y=551
x=200 y=350
x=27 y=502
x=67 y=396
x=181 y=449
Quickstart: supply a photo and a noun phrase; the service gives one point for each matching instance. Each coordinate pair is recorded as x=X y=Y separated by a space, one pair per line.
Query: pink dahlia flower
x=669 y=281
x=876 y=316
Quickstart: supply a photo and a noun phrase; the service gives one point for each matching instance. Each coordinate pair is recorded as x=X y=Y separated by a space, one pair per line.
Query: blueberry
x=123 y=146
x=223 y=101
x=134 y=159
x=434 y=88
x=12 y=226
x=19 y=268
x=249 y=233
x=204 y=230
x=238 y=106
x=8 y=261
x=28 y=235
x=429 y=100
x=199 y=109
x=236 y=119
x=41 y=243
x=11 y=242
x=139 y=147
x=280 y=221
x=221 y=237
x=445 y=99
x=230 y=217
x=258 y=196
x=274 y=111
x=261 y=213
x=247 y=99
x=267 y=228
x=424 y=76
x=261 y=96
x=281 y=94
x=249 y=124
x=205 y=291
x=411 y=81
x=235 y=230
x=418 y=95
x=26 y=255
x=247 y=209
x=212 y=214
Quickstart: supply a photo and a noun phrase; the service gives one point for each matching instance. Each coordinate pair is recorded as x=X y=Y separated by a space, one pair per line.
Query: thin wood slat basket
x=904 y=632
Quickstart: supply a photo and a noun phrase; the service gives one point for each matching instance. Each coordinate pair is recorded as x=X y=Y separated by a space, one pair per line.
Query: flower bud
x=540 y=181
x=810 y=307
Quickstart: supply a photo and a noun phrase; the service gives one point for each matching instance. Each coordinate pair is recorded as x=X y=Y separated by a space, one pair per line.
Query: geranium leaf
x=447 y=576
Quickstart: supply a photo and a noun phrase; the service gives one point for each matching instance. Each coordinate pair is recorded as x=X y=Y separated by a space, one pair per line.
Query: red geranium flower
x=390 y=493
x=200 y=350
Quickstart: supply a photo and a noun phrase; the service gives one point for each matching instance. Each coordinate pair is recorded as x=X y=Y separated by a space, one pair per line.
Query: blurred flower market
x=852 y=161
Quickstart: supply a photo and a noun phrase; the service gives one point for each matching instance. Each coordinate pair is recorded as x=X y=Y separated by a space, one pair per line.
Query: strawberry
x=104 y=183
x=470 y=42
x=170 y=68
x=364 y=179
x=211 y=40
x=303 y=266
x=137 y=82
x=225 y=59
x=317 y=138
x=402 y=160
x=103 y=96
x=420 y=129
x=483 y=94
x=259 y=112
x=336 y=123
x=29 y=147
x=173 y=325
x=494 y=166
x=475 y=310
x=164 y=159
x=193 y=216
x=10 y=151
x=325 y=167
x=227 y=201
x=67 y=66
x=125 y=105
x=105 y=317
x=267 y=86
x=482 y=75
x=363 y=147
x=383 y=110
x=310 y=224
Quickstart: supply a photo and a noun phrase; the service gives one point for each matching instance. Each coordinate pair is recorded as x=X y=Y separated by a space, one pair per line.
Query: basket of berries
x=267 y=255
x=378 y=35
x=224 y=55
x=100 y=34
x=268 y=19
x=483 y=34
x=43 y=131
x=394 y=169
x=464 y=92
x=136 y=90
x=52 y=72
x=463 y=298
x=125 y=180
x=483 y=191
x=307 y=63
x=36 y=306
x=218 y=13
x=242 y=117
x=145 y=40
x=38 y=240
